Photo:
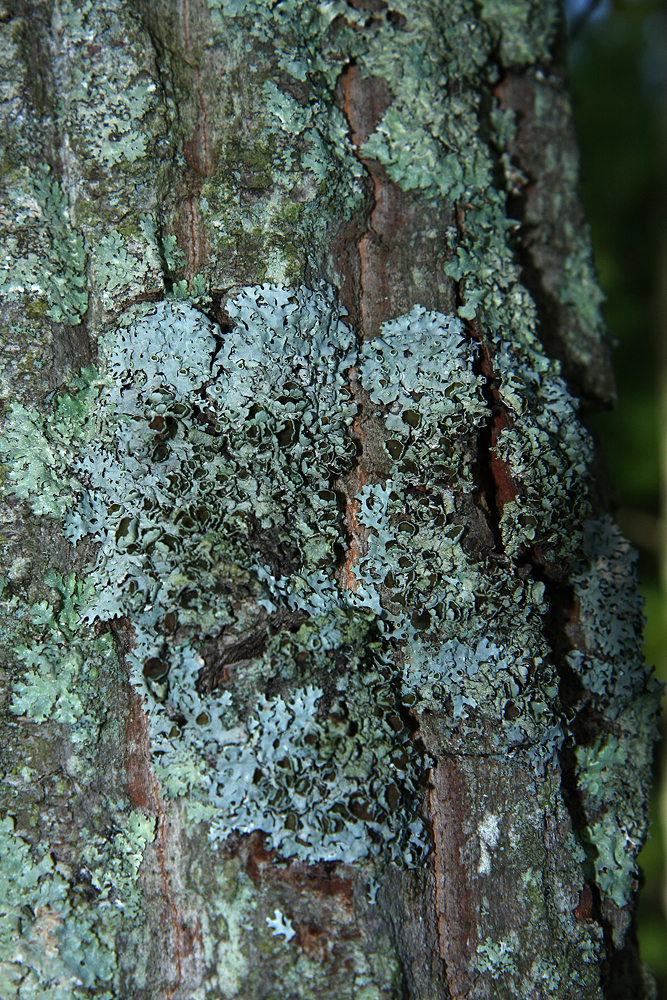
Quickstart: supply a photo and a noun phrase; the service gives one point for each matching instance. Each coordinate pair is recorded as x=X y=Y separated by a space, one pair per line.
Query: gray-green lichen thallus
x=307 y=602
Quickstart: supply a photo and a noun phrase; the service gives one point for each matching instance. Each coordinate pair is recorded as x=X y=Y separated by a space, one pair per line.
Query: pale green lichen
x=124 y=268
x=41 y=253
x=578 y=286
x=59 y=239
x=526 y=29
x=104 y=100
x=610 y=664
x=302 y=162
x=40 y=447
x=614 y=774
x=545 y=444
x=50 y=682
x=50 y=944
x=60 y=916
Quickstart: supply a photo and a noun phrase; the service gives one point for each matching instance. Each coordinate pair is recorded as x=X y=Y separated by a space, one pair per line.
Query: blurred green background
x=618 y=76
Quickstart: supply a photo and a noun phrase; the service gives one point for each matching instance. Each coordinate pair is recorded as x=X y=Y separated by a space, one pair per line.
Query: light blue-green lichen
x=174 y=503
x=421 y=369
x=198 y=447
x=429 y=596
x=280 y=926
x=206 y=480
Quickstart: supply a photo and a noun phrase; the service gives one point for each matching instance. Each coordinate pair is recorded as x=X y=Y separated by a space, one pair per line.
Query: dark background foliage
x=618 y=73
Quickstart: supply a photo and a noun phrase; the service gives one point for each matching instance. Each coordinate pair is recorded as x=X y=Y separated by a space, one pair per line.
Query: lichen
x=199 y=451
x=54 y=943
x=545 y=444
x=614 y=774
x=124 y=269
x=42 y=254
x=280 y=926
x=526 y=29
x=61 y=914
x=282 y=631
x=277 y=412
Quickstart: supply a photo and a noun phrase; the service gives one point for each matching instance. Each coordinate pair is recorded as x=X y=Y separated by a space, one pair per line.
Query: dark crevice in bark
x=361 y=122
x=350 y=238
x=622 y=978
x=162 y=66
x=218 y=655
x=172 y=176
x=488 y=498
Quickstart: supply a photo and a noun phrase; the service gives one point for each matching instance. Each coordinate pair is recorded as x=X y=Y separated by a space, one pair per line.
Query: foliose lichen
x=544 y=444
x=614 y=773
x=42 y=254
x=200 y=448
x=52 y=945
x=59 y=919
x=282 y=633
x=192 y=456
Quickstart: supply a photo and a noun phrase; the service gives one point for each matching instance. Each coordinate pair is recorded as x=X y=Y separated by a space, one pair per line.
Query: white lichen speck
x=488 y=838
x=281 y=925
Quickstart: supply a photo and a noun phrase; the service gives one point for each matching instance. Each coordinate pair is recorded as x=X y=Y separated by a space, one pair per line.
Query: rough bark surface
x=321 y=664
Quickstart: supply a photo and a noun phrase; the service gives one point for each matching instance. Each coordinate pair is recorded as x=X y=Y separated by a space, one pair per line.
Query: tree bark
x=322 y=669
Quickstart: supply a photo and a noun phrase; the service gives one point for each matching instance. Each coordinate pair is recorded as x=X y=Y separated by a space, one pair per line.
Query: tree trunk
x=323 y=674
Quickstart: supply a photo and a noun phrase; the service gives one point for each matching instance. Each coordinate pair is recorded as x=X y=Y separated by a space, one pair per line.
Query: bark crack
x=364 y=103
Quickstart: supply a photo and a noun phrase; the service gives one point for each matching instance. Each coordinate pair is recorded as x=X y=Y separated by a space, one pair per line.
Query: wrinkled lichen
x=279 y=630
x=195 y=454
